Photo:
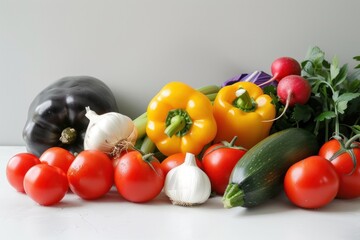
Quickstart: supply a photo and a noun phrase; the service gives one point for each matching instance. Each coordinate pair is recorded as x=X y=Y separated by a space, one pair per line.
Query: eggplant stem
x=68 y=135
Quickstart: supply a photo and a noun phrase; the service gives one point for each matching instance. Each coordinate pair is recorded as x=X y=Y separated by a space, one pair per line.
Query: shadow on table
x=281 y=204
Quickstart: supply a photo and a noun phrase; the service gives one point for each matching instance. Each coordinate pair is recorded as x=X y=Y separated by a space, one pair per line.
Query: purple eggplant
x=256 y=77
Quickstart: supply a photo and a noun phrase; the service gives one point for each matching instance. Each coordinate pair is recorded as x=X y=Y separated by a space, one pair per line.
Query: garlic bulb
x=109 y=132
x=187 y=184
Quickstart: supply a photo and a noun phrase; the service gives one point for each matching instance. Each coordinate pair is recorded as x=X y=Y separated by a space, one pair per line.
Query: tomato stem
x=225 y=144
x=148 y=157
x=232 y=142
x=351 y=140
x=346 y=146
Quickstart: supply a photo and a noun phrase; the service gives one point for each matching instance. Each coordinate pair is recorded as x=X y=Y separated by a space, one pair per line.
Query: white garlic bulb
x=187 y=184
x=110 y=132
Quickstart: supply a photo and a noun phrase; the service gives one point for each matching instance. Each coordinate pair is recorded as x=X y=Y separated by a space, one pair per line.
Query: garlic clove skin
x=109 y=132
x=187 y=184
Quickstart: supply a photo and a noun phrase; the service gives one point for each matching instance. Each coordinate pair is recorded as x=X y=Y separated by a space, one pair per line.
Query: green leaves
x=341 y=75
x=325 y=115
x=356 y=129
x=302 y=113
x=334 y=87
x=333 y=107
x=334 y=68
x=357 y=58
x=313 y=63
x=342 y=101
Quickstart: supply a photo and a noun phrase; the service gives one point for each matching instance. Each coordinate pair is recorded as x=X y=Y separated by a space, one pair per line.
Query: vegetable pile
x=246 y=140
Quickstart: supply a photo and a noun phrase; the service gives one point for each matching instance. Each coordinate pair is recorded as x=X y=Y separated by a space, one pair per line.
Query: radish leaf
x=325 y=115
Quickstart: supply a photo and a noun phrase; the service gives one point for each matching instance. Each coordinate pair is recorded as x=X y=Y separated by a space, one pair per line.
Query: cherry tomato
x=344 y=166
x=17 y=167
x=58 y=157
x=91 y=174
x=137 y=178
x=219 y=161
x=311 y=182
x=45 y=184
x=175 y=160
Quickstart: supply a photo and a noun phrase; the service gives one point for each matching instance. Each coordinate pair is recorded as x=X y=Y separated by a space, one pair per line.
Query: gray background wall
x=137 y=46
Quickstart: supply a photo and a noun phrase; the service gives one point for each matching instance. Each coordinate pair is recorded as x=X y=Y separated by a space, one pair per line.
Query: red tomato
x=311 y=183
x=137 y=179
x=17 y=167
x=45 y=184
x=116 y=159
x=349 y=177
x=175 y=160
x=219 y=161
x=58 y=157
x=91 y=174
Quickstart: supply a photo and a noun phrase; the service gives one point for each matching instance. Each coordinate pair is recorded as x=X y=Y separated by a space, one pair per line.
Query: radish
x=294 y=89
x=282 y=67
x=291 y=90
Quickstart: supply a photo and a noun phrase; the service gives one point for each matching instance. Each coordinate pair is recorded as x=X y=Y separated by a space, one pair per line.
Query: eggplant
x=258 y=78
x=56 y=116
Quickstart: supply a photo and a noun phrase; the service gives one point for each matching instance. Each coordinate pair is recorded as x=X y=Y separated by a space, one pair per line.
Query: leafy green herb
x=356 y=129
x=333 y=108
x=357 y=58
x=302 y=113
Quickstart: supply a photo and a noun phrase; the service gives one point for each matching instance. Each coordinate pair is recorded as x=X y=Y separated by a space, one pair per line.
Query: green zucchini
x=259 y=174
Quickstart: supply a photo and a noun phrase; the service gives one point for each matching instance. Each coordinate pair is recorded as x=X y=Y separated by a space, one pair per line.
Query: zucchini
x=259 y=174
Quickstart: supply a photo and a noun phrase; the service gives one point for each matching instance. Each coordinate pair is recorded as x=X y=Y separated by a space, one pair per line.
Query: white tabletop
x=112 y=217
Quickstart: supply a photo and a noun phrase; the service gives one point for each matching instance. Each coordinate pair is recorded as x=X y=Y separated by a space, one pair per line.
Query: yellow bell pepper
x=242 y=110
x=180 y=119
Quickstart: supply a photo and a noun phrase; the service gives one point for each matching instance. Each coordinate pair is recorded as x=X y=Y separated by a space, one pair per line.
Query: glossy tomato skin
x=58 y=157
x=218 y=162
x=45 y=184
x=91 y=174
x=136 y=180
x=175 y=160
x=116 y=159
x=344 y=166
x=311 y=183
x=17 y=167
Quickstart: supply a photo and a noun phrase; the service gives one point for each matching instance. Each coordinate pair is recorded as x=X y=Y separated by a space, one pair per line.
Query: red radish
x=282 y=67
x=294 y=89
x=291 y=90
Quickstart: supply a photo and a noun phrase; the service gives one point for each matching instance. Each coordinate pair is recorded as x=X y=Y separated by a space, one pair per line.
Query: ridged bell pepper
x=242 y=110
x=180 y=119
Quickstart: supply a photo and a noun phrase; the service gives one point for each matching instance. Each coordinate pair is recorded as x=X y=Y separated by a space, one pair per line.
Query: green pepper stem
x=176 y=125
x=68 y=135
x=140 y=122
x=243 y=101
x=177 y=122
